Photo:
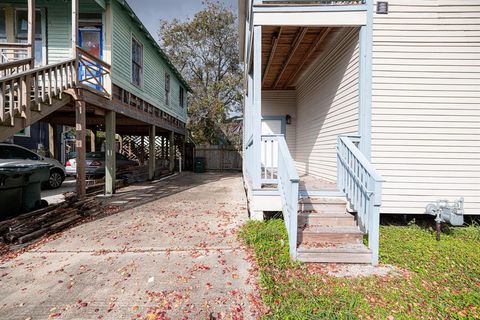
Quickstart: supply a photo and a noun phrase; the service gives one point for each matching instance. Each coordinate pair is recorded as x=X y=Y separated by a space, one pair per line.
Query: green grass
x=438 y=280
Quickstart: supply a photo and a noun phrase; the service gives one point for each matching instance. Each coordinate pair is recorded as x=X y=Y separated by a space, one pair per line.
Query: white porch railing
x=362 y=185
x=269 y=167
x=280 y=169
x=10 y=52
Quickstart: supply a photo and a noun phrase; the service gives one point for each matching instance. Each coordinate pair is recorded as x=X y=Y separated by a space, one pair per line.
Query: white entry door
x=270 y=149
x=271 y=127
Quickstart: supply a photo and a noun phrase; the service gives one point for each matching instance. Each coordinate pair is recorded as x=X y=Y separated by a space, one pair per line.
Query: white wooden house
x=369 y=105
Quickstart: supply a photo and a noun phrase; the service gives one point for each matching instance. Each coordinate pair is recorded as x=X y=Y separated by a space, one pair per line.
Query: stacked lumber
x=55 y=218
x=49 y=220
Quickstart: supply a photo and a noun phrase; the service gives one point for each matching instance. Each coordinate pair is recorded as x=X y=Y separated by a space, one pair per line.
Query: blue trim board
x=365 y=87
x=281 y=118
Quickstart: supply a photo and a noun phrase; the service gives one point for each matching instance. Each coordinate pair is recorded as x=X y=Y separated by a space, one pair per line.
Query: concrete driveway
x=175 y=256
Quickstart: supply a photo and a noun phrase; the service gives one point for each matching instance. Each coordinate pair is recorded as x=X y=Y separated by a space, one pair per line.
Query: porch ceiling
x=287 y=52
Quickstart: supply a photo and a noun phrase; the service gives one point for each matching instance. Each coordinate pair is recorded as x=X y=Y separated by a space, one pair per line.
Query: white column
x=74 y=27
x=31 y=31
x=257 y=106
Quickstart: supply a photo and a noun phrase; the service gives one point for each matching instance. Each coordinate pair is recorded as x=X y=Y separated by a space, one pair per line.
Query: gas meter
x=446 y=212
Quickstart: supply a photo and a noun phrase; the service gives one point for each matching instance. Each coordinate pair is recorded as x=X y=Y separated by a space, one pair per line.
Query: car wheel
x=55 y=180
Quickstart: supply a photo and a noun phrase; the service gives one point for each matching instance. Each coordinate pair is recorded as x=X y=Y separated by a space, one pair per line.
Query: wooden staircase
x=29 y=94
x=327 y=233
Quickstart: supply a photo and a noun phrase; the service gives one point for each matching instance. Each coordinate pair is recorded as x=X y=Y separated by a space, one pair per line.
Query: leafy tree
x=205 y=49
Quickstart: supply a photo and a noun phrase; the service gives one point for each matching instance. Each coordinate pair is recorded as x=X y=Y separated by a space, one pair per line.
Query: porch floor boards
x=311 y=183
x=307 y=183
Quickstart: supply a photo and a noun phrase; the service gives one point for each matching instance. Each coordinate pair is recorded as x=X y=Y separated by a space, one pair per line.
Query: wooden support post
x=142 y=150
x=162 y=147
x=53 y=145
x=110 y=153
x=80 y=120
x=31 y=32
x=171 y=152
x=151 y=153
x=93 y=135
x=183 y=152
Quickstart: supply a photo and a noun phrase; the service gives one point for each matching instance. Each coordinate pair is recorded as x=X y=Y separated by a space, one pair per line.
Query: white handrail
x=362 y=185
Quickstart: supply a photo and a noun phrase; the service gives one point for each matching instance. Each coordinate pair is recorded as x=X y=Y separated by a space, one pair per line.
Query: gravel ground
x=172 y=253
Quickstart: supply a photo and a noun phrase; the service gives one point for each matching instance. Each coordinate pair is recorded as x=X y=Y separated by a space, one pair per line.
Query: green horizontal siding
x=152 y=89
x=59 y=34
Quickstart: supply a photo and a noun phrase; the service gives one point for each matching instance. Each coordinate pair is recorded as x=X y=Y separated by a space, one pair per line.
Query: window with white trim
x=137 y=62
x=181 y=97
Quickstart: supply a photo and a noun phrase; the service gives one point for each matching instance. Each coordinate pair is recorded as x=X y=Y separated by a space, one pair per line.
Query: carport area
x=128 y=125
x=171 y=251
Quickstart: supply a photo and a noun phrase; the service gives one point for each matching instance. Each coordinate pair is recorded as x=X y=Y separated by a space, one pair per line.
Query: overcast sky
x=151 y=11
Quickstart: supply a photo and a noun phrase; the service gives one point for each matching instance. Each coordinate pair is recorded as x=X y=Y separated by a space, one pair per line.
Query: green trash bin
x=199 y=165
x=20 y=186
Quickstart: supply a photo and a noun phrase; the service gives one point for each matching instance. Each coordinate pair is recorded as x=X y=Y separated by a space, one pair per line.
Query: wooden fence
x=220 y=158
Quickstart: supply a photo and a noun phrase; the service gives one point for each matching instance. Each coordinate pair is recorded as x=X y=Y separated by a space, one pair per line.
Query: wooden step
x=322 y=205
x=323 y=200
x=350 y=253
x=326 y=220
x=314 y=234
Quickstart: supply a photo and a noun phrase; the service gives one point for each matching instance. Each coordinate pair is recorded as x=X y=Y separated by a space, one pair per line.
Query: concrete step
x=326 y=220
x=315 y=234
x=350 y=253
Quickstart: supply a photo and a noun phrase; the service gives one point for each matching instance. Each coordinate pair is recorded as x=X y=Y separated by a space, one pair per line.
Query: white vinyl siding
x=426 y=103
x=327 y=98
x=281 y=103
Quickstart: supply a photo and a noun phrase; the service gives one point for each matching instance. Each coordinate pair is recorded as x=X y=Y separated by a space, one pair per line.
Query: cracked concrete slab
x=175 y=255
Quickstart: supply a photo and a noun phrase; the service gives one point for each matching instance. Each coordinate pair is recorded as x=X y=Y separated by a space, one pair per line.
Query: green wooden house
x=90 y=64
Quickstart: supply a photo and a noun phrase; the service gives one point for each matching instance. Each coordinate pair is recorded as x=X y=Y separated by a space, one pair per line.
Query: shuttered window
x=167 y=89
x=137 y=62
x=182 y=97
